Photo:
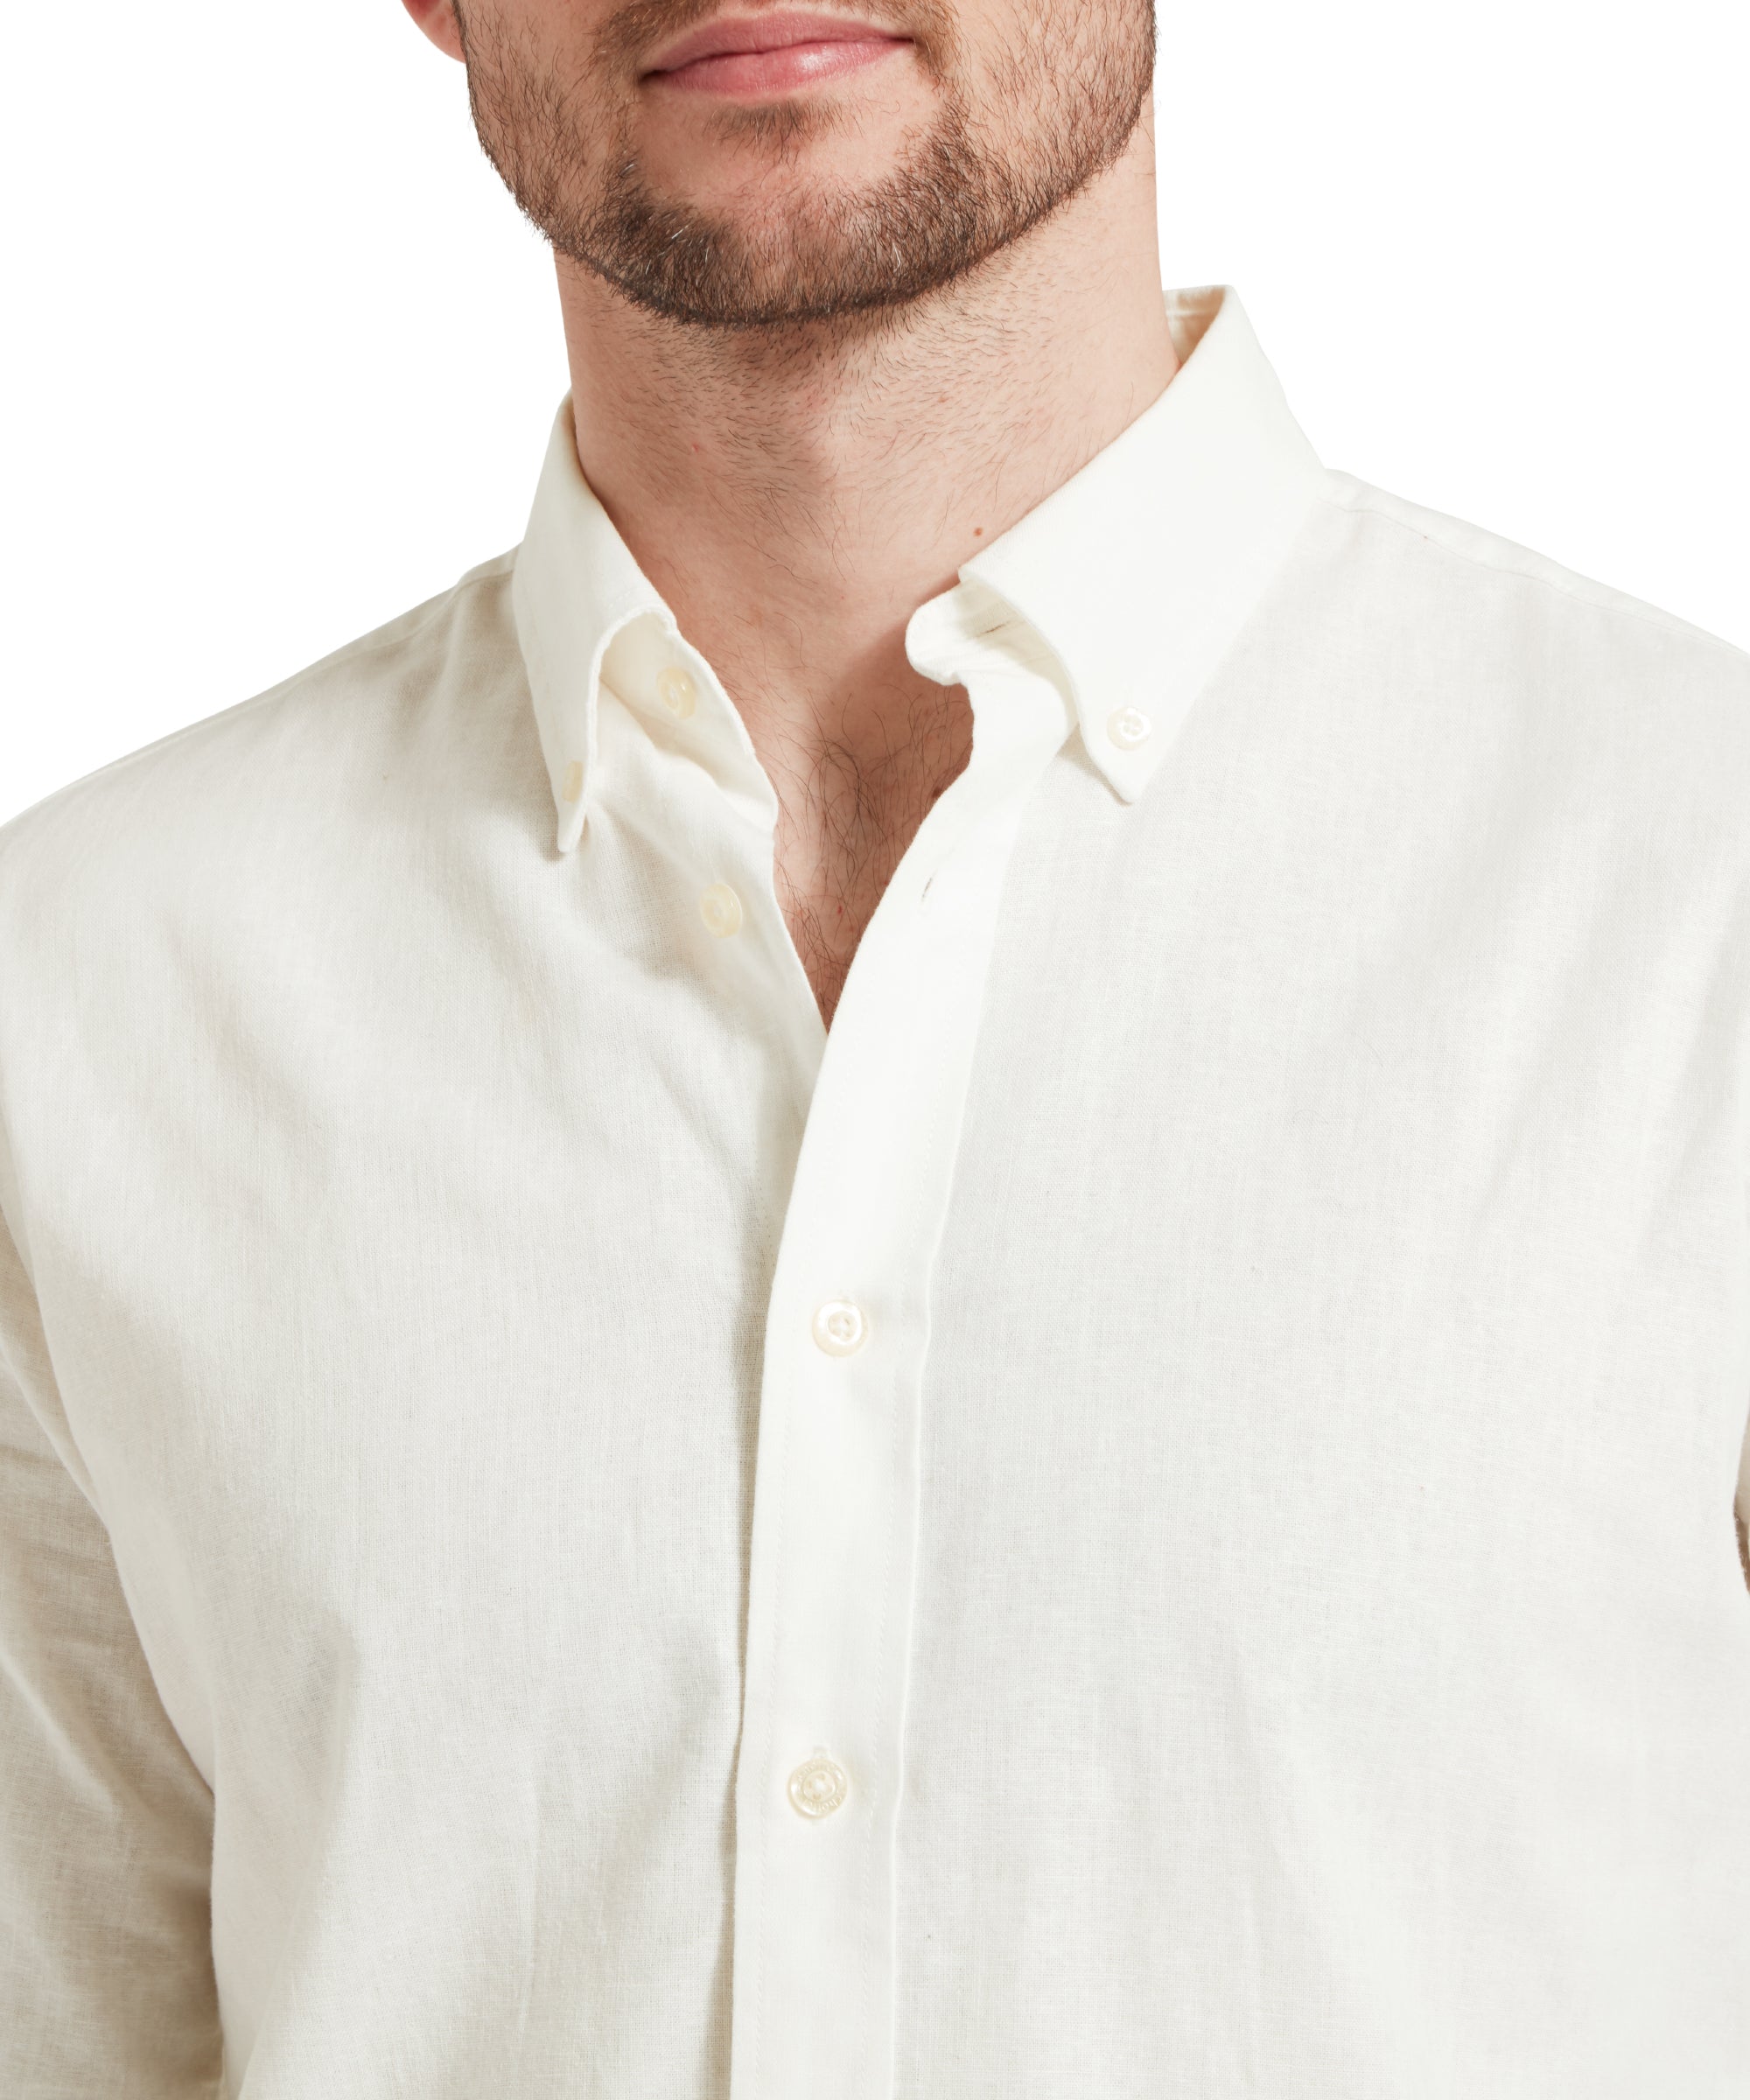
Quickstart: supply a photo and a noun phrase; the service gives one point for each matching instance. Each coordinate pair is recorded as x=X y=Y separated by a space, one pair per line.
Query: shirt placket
x=819 y=1778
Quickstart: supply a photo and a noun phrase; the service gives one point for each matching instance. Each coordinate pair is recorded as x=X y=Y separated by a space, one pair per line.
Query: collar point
x=1126 y=778
x=570 y=829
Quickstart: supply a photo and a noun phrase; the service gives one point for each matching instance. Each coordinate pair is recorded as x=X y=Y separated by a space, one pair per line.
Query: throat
x=845 y=822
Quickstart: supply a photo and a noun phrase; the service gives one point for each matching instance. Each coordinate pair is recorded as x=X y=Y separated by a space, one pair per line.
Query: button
x=1127 y=727
x=817 y=1786
x=720 y=908
x=840 y=1328
x=677 y=692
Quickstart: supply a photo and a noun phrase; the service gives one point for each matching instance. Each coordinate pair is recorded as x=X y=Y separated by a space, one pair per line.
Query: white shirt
x=1152 y=1515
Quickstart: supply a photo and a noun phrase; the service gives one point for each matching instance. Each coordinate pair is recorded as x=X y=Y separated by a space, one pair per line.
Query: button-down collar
x=1136 y=574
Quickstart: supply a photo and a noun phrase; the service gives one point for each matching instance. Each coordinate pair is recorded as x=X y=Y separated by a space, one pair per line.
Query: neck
x=796 y=496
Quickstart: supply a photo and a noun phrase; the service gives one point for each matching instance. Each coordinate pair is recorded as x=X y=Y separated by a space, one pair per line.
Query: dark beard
x=952 y=202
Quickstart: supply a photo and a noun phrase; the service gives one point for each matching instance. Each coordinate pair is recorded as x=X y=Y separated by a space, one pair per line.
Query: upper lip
x=764 y=32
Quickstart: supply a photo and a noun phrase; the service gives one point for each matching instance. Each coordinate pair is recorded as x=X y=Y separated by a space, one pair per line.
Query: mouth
x=759 y=56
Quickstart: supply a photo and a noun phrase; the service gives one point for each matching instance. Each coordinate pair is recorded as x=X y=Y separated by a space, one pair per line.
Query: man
x=922 y=1270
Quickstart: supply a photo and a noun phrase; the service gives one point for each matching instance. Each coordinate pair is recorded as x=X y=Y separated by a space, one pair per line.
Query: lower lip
x=785 y=66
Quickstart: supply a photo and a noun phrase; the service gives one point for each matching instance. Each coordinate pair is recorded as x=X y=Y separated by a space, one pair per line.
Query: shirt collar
x=575 y=587
x=1137 y=573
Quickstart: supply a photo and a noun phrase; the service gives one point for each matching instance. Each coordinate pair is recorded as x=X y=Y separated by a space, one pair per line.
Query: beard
x=1063 y=102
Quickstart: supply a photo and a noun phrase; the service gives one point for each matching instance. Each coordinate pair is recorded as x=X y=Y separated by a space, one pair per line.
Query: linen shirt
x=1150 y=1514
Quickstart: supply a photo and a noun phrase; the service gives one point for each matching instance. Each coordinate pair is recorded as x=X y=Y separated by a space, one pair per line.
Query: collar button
x=676 y=690
x=1127 y=727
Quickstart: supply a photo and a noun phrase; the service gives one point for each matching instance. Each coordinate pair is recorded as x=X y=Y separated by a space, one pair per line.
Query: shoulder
x=180 y=808
x=1505 y=659
x=143 y=906
x=1475 y=591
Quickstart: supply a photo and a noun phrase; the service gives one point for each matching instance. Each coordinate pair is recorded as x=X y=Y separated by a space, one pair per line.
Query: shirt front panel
x=407 y=1303
x=1333 y=1667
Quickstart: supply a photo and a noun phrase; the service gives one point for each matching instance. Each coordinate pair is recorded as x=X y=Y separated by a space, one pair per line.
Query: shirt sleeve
x=106 y=1825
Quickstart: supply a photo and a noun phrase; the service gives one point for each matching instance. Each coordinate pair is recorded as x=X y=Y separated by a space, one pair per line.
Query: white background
x=281 y=357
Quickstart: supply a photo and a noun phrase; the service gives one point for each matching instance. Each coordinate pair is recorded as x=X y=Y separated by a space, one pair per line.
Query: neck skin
x=795 y=500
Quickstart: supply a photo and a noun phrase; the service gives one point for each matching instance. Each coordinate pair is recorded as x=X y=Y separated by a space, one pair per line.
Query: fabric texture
x=1152 y=1513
